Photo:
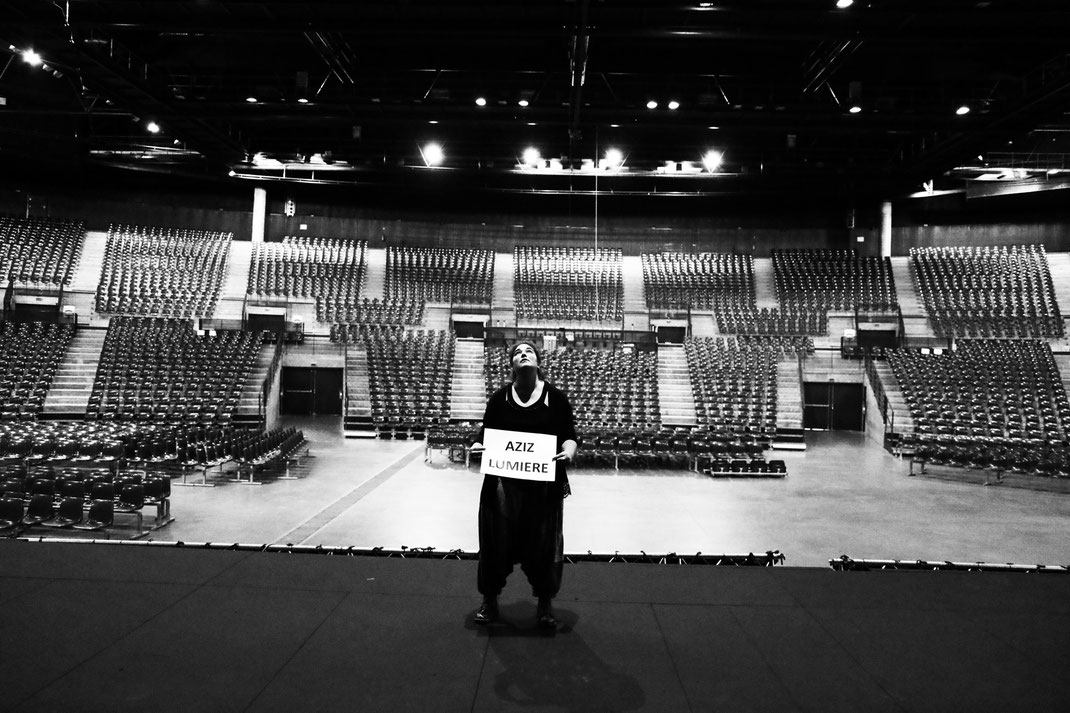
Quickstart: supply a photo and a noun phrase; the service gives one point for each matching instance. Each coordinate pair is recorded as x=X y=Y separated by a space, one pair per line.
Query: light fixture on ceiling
x=855 y=109
x=651 y=104
x=674 y=105
x=481 y=101
x=152 y=127
x=963 y=110
x=523 y=102
x=613 y=159
x=844 y=3
x=302 y=100
x=32 y=58
x=251 y=100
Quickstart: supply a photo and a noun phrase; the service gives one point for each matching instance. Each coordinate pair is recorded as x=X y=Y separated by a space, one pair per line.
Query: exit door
x=311 y=391
x=834 y=406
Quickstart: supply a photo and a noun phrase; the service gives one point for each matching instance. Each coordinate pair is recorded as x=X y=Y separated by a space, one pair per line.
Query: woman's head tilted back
x=524 y=355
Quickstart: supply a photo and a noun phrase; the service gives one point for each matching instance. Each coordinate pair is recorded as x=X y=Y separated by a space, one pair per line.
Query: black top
x=551 y=414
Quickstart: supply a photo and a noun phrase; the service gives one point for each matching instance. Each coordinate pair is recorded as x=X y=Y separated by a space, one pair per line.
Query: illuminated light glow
x=651 y=104
x=714 y=128
x=855 y=109
x=302 y=100
x=433 y=154
x=523 y=102
x=480 y=101
x=963 y=110
x=712 y=160
x=531 y=123
x=674 y=105
x=844 y=3
x=251 y=100
x=433 y=121
x=614 y=158
x=152 y=127
x=531 y=156
x=614 y=126
x=32 y=58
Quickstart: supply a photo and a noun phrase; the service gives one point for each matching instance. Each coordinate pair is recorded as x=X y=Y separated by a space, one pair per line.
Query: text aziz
x=520 y=447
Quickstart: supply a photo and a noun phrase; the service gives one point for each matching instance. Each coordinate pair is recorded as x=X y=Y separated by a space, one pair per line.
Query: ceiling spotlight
x=302 y=100
x=531 y=156
x=712 y=160
x=651 y=104
x=844 y=3
x=251 y=100
x=480 y=101
x=674 y=105
x=152 y=127
x=855 y=109
x=523 y=102
x=963 y=110
x=32 y=58
x=613 y=159
x=432 y=154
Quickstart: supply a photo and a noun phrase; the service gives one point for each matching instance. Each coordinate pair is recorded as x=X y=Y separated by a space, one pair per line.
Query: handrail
x=269 y=380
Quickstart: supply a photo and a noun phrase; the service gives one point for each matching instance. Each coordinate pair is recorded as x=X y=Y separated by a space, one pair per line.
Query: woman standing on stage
x=520 y=521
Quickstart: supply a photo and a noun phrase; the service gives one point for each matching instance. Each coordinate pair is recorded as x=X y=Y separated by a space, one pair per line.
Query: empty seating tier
x=39 y=250
x=808 y=280
x=308 y=267
x=699 y=281
x=409 y=377
x=30 y=354
x=734 y=384
x=438 y=274
x=162 y=271
x=994 y=292
x=568 y=284
x=789 y=321
x=155 y=369
x=369 y=311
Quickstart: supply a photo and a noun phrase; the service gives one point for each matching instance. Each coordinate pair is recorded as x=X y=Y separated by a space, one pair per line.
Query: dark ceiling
x=769 y=83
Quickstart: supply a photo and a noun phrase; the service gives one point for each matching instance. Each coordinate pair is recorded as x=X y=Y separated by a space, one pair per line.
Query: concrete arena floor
x=845 y=495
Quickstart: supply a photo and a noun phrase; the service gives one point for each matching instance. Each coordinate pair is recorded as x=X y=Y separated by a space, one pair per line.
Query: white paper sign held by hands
x=512 y=454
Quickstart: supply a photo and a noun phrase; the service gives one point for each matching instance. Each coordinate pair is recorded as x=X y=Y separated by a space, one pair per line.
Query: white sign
x=512 y=454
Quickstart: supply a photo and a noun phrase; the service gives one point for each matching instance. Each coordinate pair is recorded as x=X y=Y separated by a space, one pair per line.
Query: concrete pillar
x=259 y=214
x=886 y=229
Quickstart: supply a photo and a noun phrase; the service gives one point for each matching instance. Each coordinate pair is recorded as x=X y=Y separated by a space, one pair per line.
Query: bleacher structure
x=164 y=397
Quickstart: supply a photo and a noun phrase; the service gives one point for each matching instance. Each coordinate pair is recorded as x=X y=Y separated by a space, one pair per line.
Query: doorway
x=311 y=391
x=834 y=406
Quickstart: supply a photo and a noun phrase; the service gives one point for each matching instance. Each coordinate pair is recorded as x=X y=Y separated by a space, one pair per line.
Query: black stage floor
x=94 y=627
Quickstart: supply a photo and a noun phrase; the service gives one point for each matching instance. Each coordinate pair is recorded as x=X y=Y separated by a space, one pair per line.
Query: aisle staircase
x=248 y=411
x=676 y=400
x=357 y=420
x=468 y=391
x=789 y=407
x=68 y=397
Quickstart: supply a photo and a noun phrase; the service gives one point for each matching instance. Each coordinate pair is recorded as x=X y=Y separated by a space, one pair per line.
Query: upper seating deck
x=832 y=280
x=568 y=284
x=39 y=250
x=700 y=280
x=419 y=274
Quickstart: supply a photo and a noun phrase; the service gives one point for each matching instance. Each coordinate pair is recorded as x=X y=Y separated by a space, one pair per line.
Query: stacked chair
x=995 y=292
x=162 y=271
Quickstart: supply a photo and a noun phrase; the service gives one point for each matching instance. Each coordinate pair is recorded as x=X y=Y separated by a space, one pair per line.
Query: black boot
x=544 y=614
x=488 y=611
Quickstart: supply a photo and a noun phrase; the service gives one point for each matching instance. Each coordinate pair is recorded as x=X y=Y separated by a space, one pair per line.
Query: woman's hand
x=568 y=451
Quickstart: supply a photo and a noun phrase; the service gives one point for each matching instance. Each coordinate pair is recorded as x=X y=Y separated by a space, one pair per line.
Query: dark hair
x=538 y=357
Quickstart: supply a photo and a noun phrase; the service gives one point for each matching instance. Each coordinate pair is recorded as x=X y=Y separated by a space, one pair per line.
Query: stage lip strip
x=848 y=564
x=768 y=558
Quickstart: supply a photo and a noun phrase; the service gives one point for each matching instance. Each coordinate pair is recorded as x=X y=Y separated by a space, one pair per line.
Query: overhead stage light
x=844 y=3
x=651 y=104
x=614 y=158
x=531 y=156
x=480 y=101
x=251 y=100
x=432 y=154
x=523 y=102
x=855 y=109
x=674 y=105
x=32 y=58
x=963 y=110
x=152 y=127
x=712 y=160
